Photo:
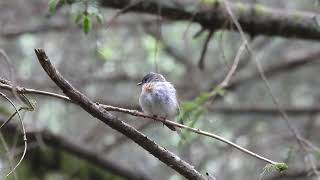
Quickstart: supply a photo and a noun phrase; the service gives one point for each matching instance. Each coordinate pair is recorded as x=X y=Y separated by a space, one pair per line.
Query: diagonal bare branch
x=98 y=112
x=58 y=142
x=140 y=114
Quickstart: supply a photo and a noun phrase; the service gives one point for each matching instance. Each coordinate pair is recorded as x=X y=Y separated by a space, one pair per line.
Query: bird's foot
x=164 y=120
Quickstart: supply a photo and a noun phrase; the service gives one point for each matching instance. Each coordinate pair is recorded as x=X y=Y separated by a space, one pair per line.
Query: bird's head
x=152 y=77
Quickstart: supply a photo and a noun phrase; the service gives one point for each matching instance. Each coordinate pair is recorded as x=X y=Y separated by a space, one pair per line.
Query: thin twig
x=198 y=33
x=121 y=11
x=8 y=62
x=284 y=116
x=262 y=74
x=204 y=50
x=141 y=114
x=198 y=131
x=156 y=46
x=234 y=66
x=62 y=143
x=192 y=16
x=23 y=130
x=9 y=119
x=170 y=50
x=11 y=74
x=10 y=155
x=34 y=91
x=167 y=157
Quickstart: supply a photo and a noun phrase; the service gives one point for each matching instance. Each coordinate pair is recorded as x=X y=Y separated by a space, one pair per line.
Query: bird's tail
x=171 y=127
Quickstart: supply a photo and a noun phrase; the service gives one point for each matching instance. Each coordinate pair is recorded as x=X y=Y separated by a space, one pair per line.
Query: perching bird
x=158 y=97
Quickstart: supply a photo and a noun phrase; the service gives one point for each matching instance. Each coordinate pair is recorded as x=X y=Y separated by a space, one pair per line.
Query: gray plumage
x=158 y=97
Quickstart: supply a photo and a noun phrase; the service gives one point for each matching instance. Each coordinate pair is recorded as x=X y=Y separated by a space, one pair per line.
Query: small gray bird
x=158 y=97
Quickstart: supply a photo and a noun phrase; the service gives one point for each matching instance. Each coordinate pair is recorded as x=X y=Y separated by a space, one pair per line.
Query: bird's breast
x=147 y=88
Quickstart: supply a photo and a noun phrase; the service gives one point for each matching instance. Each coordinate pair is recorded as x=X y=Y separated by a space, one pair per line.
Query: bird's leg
x=164 y=120
x=156 y=116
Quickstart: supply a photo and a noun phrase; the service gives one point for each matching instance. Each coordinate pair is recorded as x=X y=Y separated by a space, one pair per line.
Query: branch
x=289 y=63
x=98 y=112
x=57 y=142
x=204 y=49
x=198 y=131
x=66 y=26
x=141 y=114
x=219 y=109
x=266 y=21
x=253 y=110
x=275 y=100
x=23 y=131
x=170 y=50
x=13 y=33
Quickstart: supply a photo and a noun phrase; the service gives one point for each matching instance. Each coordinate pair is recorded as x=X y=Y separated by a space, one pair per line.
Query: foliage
x=270 y=167
x=192 y=111
x=83 y=11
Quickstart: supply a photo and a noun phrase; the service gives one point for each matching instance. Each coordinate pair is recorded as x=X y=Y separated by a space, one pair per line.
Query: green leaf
x=99 y=18
x=204 y=97
x=220 y=91
x=53 y=5
x=78 y=18
x=198 y=113
x=187 y=136
x=281 y=167
x=87 y=24
x=278 y=166
x=188 y=106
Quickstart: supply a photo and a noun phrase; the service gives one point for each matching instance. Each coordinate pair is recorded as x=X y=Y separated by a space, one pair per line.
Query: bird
x=158 y=98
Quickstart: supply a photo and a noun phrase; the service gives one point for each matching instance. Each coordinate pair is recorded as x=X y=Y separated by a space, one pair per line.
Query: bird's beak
x=139 y=84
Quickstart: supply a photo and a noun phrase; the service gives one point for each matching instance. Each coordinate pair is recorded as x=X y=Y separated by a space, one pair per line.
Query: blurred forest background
x=108 y=55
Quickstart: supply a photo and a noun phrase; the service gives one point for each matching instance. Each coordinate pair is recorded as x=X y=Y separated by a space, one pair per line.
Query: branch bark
x=11 y=33
x=140 y=114
x=255 y=20
x=98 y=112
x=232 y=110
x=264 y=110
x=287 y=64
x=59 y=142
